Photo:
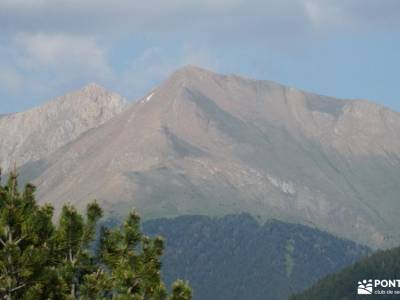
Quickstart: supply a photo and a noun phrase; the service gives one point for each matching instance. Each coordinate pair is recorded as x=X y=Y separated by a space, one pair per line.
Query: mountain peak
x=71 y=114
x=94 y=88
x=192 y=71
x=208 y=143
x=193 y=68
x=90 y=94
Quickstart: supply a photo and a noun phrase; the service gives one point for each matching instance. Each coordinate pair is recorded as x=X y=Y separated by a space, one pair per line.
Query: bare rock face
x=203 y=143
x=32 y=135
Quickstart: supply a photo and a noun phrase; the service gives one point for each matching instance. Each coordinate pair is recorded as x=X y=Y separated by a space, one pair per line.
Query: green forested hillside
x=235 y=257
x=343 y=285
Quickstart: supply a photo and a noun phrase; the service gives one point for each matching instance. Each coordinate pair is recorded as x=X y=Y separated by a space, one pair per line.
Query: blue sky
x=342 y=48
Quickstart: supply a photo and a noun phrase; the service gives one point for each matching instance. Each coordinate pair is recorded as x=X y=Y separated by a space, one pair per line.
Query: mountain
x=382 y=266
x=31 y=136
x=236 y=258
x=203 y=143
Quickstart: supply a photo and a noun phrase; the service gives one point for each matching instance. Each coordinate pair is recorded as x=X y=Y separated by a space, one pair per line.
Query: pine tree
x=73 y=237
x=25 y=241
x=181 y=291
x=39 y=260
x=134 y=260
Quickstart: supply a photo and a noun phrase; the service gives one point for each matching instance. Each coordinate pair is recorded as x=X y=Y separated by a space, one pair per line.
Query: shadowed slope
x=203 y=143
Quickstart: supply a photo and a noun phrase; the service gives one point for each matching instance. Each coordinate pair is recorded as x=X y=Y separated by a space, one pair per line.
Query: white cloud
x=173 y=17
x=63 y=53
x=205 y=18
x=355 y=15
x=40 y=66
x=51 y=46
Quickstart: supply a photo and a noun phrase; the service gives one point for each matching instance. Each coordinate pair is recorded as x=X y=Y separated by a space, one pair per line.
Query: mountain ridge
x=203 y=143
x=31 y=135
x=342 y=285
x=275 y=259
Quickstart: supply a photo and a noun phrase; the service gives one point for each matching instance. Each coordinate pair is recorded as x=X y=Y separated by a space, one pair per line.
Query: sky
x=344 y=48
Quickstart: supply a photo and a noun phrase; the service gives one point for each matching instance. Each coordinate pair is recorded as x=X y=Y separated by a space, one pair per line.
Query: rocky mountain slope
x=203 y=143
x=236 y=258
x=30 y=136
